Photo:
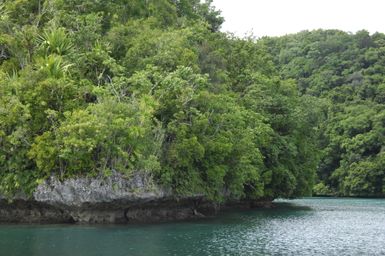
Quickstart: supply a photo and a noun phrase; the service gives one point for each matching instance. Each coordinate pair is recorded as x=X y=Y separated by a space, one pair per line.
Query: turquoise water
x=314 y=226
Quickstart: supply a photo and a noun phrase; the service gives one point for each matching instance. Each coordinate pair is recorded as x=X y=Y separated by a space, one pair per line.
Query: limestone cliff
x=113 y=199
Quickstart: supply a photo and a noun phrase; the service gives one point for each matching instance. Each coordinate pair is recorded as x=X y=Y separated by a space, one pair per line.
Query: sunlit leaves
x=53 y=66
x=55 y=41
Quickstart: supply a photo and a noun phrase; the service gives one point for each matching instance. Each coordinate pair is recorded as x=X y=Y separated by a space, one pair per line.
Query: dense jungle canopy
x=90 y=87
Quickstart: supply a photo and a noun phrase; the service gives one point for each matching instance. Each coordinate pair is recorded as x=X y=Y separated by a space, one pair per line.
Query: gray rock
x=81 y=191
x=113 y=199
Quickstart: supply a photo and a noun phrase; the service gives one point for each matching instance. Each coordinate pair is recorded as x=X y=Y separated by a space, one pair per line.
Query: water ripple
x=297 y=227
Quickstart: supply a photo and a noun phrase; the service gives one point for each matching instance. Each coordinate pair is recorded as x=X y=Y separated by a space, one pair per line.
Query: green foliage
x=347 y=72
x=211 y=143
x=321 y=189
x=106 y=135
x=55 y=41
x=87 y=87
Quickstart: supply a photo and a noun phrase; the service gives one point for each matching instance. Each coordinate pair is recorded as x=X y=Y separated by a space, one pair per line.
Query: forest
x=90 y=87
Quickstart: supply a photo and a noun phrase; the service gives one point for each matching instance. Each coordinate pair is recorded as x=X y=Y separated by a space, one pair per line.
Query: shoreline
x=112 y=200
x=119 y=212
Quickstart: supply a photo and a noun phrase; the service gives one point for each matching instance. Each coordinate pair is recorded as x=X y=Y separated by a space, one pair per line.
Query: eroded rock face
x=82 y=191
x=113 y=199
x=29 y=211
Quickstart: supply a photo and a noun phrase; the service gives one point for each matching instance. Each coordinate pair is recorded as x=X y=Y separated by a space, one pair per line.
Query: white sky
x=280 y=17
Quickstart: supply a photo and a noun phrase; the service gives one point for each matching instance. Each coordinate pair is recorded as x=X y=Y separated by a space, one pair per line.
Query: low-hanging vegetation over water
x=88 y=87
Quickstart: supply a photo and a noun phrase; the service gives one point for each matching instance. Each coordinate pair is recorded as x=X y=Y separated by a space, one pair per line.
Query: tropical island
x=147 y=105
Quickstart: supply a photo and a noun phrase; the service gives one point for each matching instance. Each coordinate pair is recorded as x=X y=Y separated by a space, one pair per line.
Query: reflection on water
x=313 y=226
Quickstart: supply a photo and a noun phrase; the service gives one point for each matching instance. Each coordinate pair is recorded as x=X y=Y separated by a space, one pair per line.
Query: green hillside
x=90 y=87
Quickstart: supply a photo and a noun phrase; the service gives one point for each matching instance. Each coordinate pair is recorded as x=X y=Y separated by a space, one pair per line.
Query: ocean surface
x=309 y=226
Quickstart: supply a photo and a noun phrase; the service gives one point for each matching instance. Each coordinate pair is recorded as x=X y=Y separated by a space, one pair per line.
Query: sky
x=280 y=17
